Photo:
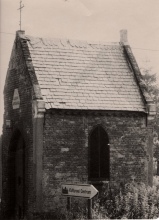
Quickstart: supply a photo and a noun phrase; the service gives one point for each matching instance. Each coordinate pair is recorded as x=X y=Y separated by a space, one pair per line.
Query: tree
x=149 y=83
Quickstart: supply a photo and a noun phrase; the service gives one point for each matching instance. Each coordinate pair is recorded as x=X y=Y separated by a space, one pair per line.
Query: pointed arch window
x=99 y=157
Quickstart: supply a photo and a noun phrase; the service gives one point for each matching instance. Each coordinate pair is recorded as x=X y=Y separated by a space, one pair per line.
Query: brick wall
x=20 y=120
x=66 y=147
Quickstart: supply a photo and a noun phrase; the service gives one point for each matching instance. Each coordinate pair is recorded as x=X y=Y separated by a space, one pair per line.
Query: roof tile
x=84 y=75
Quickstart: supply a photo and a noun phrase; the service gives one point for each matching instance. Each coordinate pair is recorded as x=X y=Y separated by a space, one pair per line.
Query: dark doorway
x=99 y=158
x=17 y=175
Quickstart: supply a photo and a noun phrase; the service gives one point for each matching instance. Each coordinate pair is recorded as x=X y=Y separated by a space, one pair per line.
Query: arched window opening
x=99 y=158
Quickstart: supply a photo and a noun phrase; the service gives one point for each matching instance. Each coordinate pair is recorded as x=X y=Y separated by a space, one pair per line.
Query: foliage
x=156 y=182
x=132 y=201
x=149 y=83
x=151 y=87
x=76 y=212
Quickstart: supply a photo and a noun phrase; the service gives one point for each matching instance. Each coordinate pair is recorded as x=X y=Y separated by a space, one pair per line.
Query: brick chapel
x=75 y=112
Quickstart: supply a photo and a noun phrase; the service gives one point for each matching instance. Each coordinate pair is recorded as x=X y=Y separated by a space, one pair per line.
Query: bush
x=156 y=181
x=76 y=212
x=132 y=201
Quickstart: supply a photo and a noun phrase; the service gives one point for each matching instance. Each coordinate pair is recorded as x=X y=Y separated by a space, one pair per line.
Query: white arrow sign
x=79 y=190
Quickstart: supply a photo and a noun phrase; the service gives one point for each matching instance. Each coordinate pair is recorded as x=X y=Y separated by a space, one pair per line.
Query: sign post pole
x=89 y=208
x=68 y=203
x=86 y=191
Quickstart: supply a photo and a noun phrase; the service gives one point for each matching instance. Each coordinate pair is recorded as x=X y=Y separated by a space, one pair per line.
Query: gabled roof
x=84 y=75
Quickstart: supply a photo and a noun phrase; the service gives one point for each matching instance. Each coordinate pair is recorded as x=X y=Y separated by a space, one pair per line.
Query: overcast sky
x=97 y=20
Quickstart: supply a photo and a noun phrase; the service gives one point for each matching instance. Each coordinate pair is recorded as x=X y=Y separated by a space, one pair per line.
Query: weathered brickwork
x=66 y=149
x=20 y=120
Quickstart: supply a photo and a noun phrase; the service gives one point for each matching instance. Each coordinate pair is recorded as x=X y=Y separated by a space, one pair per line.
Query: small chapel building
x=75 y=112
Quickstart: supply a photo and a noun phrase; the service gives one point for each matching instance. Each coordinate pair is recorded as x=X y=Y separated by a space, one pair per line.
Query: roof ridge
x=72 y=42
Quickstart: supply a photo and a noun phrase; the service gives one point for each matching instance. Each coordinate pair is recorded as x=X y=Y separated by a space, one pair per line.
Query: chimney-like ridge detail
x=123 y=36
x=20 y=33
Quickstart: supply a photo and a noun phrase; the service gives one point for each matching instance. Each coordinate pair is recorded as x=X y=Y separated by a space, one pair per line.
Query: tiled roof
x=84 y=75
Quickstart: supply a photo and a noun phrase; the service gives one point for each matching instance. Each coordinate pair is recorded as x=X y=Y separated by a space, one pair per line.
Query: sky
x=94 y=20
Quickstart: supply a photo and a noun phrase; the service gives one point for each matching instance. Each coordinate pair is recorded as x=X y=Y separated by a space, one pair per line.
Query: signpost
x=86 y=191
